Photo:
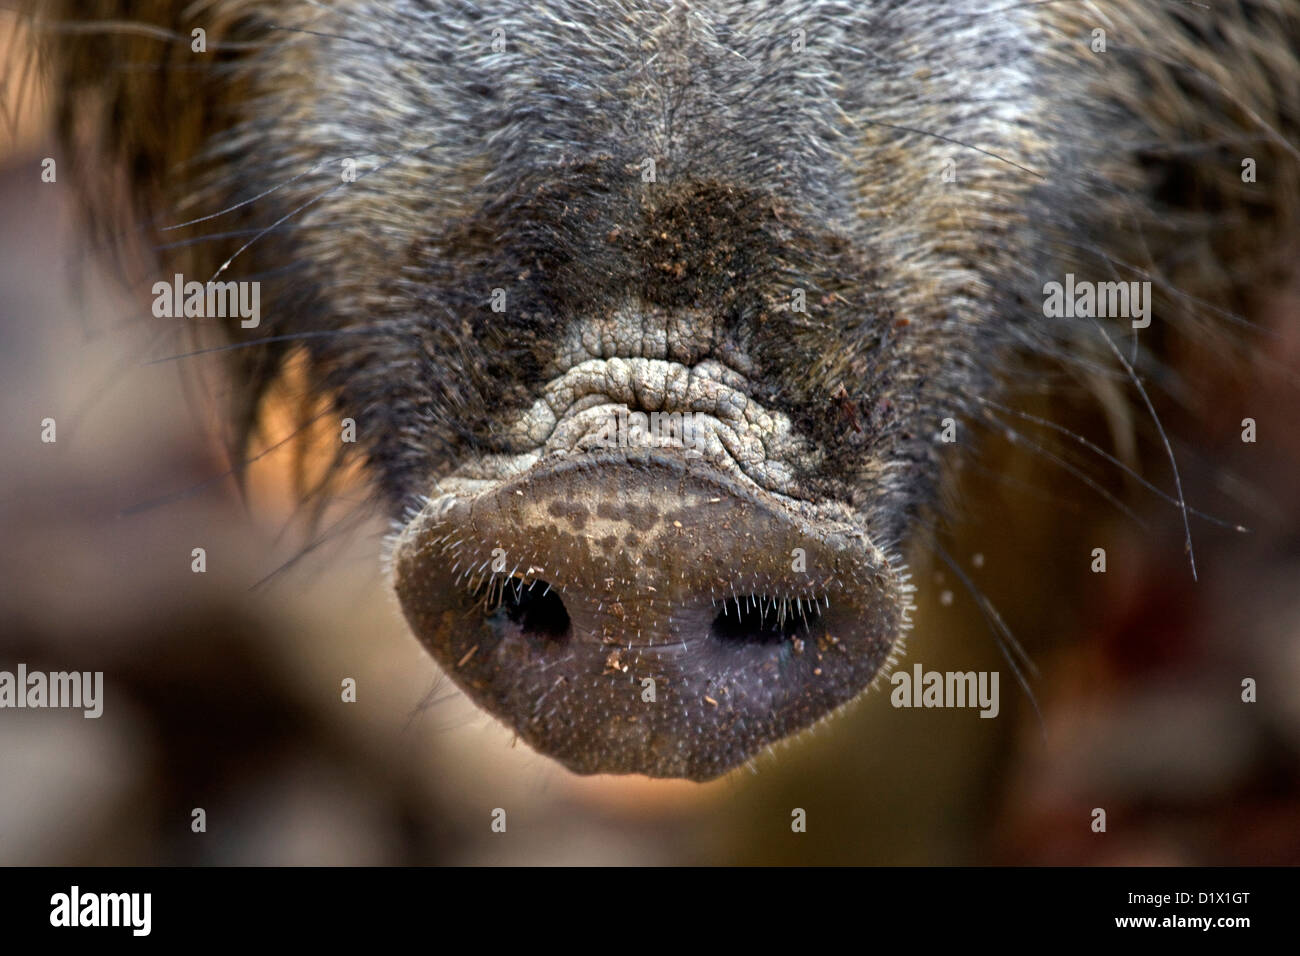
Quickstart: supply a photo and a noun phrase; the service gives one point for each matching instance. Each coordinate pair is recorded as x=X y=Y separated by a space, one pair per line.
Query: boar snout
x=640 y=612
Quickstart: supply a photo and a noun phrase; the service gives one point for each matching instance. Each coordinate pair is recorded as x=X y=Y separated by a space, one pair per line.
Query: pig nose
x=640 y=613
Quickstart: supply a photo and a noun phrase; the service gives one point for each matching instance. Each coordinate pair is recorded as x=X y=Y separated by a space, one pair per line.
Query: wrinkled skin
x=818 y=229
x=710 y=596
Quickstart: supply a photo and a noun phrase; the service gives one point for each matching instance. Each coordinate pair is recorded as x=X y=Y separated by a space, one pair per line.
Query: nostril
x=625 y=659
x=759 y=619
x=536 y=609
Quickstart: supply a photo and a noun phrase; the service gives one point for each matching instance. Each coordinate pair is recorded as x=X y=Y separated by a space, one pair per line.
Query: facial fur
x=822 y=227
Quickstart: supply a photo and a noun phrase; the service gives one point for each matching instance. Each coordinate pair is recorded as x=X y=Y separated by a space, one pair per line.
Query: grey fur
x=520 y=168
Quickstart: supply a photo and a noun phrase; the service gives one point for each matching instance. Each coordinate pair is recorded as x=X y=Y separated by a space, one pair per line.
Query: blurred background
x=222 y=689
